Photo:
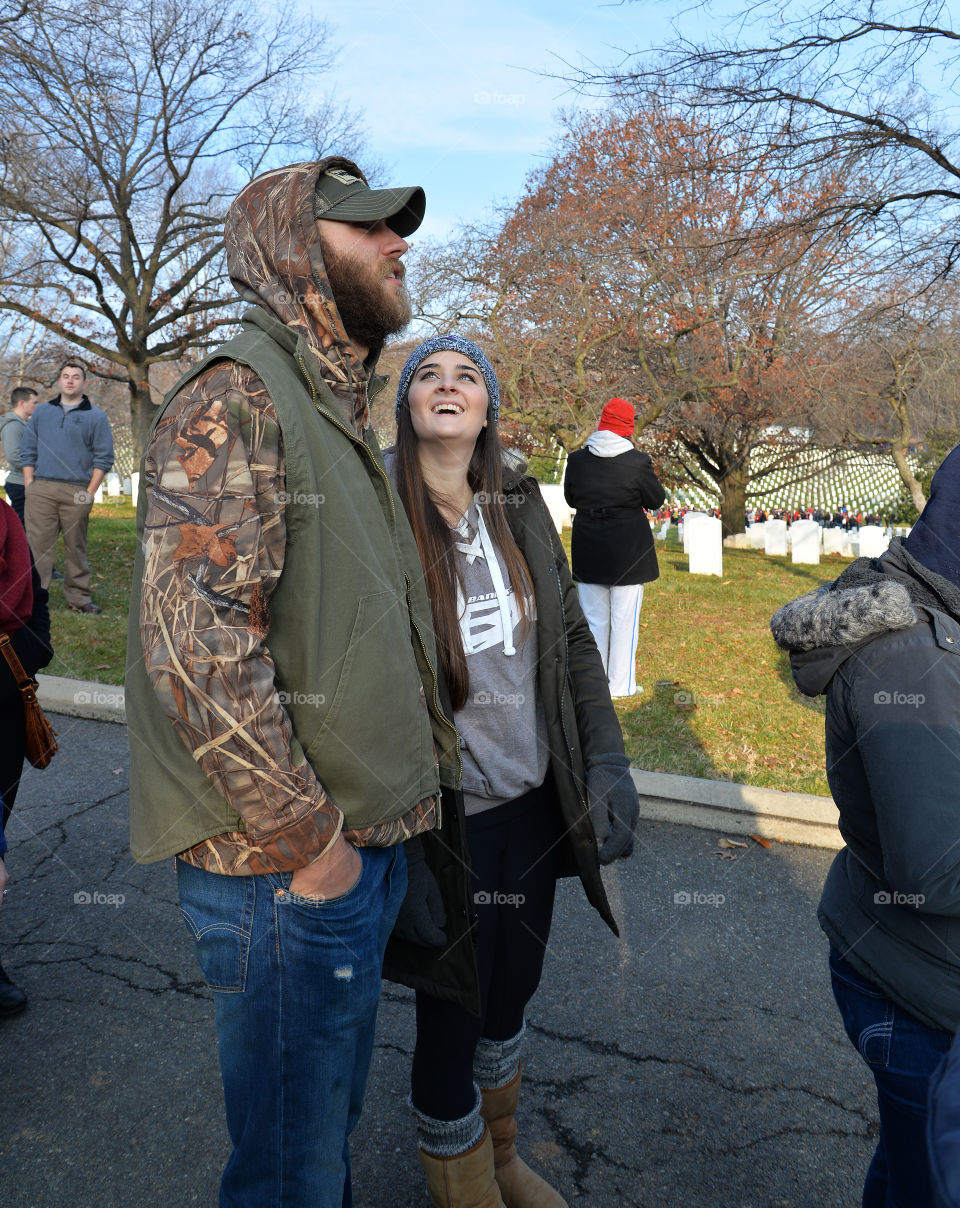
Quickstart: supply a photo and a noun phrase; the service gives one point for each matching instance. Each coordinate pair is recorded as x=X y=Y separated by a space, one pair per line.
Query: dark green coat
x=580 y=722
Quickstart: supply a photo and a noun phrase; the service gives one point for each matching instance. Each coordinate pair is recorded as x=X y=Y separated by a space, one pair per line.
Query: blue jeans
x=296 y=984
x=902 y=1054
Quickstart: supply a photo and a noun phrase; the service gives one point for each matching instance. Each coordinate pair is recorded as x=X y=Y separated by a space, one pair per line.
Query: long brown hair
x=435 y=541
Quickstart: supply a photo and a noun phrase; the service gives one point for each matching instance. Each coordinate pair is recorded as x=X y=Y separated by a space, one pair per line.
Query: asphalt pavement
x=698 y=1062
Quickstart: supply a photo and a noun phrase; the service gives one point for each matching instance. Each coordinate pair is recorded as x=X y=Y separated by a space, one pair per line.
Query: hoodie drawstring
x=482 y=546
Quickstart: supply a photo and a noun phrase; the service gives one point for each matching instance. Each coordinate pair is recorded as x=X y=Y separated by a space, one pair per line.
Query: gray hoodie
x=12 y=426
x=502 y=727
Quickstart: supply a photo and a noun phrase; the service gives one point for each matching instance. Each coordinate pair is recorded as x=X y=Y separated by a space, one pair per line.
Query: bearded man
x=281 y=693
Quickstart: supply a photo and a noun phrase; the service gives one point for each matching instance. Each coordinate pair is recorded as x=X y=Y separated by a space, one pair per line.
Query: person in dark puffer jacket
x=882 y=643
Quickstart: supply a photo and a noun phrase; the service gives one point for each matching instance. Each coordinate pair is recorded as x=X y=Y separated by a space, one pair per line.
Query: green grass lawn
x=718 y=699
x=93 y=647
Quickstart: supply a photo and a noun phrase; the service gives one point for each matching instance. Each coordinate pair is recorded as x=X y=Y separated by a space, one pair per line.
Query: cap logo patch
x=344 y=177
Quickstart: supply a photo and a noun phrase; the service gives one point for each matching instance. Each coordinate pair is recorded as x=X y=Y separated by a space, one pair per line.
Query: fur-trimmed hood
x=822 y=629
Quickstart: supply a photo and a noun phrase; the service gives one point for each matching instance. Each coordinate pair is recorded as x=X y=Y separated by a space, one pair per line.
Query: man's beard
x=367 y=310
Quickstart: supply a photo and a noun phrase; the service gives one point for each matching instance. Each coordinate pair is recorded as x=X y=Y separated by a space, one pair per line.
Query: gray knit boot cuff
x=448 y=1138
x=496 y=1061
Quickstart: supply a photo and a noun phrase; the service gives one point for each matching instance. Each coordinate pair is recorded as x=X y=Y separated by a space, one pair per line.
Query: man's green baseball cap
x=343 y=197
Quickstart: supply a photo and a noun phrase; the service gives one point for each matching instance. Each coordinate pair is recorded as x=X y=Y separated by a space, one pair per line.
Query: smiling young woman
x=544 y=781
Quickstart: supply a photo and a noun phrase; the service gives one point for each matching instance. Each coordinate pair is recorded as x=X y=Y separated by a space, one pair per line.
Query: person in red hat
x=610 y=484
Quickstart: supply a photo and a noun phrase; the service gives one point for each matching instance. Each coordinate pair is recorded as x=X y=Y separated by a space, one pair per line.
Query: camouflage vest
x=350 y=630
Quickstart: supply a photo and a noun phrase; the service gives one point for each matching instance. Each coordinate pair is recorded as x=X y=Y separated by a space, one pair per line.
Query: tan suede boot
x=465 y=1180
x=518 y=1184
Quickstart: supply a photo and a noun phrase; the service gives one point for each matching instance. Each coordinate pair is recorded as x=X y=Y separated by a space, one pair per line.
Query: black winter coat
x=890 y=670
x=580 y=722
x=612 y=544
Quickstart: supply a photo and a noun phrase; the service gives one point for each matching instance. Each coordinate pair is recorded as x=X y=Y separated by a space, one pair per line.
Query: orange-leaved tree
x=659 y=258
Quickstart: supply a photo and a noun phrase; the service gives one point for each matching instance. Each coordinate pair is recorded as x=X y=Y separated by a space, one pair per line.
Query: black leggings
x=513 y=857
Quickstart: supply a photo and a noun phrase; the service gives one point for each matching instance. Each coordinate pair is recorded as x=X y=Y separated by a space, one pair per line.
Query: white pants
x=613 y=614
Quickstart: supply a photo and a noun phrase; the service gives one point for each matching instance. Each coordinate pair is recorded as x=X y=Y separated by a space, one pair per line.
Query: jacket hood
x=8 y=417
x=823 y=628
x=604 y=443
x=275 y=262
x=935 y=539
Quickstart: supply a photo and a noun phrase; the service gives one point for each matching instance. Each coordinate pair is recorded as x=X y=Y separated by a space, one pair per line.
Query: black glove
x=614 y=805
x=422 y=918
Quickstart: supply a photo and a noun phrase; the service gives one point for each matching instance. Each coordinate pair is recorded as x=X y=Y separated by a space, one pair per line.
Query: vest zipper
x=440 y=715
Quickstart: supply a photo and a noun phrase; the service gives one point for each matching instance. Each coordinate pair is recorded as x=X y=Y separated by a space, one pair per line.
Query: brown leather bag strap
x=16 y=667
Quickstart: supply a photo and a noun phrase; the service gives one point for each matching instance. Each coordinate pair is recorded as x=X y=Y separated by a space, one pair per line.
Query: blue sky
x=456 y=94
x=453 y=94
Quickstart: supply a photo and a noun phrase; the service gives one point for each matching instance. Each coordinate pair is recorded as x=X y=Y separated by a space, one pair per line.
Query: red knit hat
x=618 y=416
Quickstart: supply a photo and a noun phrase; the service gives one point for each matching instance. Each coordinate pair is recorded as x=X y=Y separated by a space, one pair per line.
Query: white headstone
x=806 y=541
x=873 y=541
x=756 y=533
x=3 y=477
x=704 y=541
x=126 y=486
x=113 y=484
x=134 y=486
x=775 y=538
x=833 y=541
x=664 y=529
x=557 y=506
x=696 y=517
x=98 y=497
x=737 y=541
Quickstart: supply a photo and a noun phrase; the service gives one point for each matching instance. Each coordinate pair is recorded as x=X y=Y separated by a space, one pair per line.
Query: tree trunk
x=909 y=479
x=142 y=409
x=733 y=502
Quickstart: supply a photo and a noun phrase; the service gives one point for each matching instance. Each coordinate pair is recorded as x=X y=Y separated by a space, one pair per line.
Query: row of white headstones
x=703 y=540
x=112 y=487
x=805 y=540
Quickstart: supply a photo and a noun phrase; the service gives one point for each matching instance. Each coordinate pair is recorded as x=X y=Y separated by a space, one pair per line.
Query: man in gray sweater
x=66 y=450
x=23 y=400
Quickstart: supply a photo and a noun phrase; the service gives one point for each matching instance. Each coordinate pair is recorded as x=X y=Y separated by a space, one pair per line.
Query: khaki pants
x=52 y=508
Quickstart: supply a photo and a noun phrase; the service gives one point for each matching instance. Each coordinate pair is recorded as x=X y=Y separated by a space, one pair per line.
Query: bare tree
x=126 y=127
x=679 y=284
x=900 y=369
x=857 y=79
